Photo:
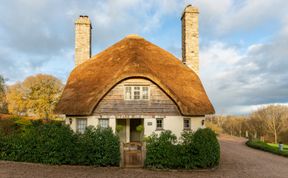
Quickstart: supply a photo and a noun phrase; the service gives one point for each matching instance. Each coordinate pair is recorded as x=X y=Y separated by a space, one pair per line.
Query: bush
x=207 y=148
x=50 y=143
x=99 y=147
x=257 y=144
x=55 y=143
x=199 y=150
x=8 y=126
x=162 y=151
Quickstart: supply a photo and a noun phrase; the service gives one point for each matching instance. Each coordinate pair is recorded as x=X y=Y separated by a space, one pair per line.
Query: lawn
x=269 y=147
x=285 y=147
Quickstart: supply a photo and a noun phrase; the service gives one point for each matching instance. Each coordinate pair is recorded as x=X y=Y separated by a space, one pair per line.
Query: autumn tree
x=3 y=103
x=36 y=95
x=273 y=118
x=16 y=99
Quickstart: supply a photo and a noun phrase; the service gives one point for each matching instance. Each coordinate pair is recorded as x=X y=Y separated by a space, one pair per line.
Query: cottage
x=134 y=86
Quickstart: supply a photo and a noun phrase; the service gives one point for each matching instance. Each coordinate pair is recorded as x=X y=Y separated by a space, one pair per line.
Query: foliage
x=273 y=118
x=3 y=102
x=283 y=135
x=285 y=147
x=207 y=148
x=140 y=128
x=199 y=150
x=55 y=143
x=268 y=123
x=50 y=143
x=217 y=129
x=266 y=147
x=36 y=95
x=99 y=147
x=7 y=126
x=119 y=128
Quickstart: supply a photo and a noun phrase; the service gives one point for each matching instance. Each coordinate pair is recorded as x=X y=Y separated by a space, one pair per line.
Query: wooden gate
x=133 y=154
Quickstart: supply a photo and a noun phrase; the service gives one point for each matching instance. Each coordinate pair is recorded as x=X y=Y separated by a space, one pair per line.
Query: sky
x=243 y=43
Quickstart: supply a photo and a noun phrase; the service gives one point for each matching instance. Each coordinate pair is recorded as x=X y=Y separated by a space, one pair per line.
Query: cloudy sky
x=243 y=43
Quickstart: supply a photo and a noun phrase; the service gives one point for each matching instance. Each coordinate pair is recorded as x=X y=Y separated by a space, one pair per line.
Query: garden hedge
x=55 y=143
x=257 y=144
x=195 y=150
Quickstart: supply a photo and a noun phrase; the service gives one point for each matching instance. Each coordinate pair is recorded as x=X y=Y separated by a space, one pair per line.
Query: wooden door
x=133 y=154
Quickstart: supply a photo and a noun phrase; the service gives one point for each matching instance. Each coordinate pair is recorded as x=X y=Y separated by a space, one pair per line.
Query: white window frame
x=141 y=93
x=79 y=126
x=184 y=127
x=103 y=119
x=162 y=124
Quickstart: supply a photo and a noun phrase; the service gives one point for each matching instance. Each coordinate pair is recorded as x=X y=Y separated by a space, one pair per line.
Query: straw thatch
x=133 y=57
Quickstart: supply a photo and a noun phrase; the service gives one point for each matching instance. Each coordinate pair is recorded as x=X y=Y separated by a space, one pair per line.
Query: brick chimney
x=82 y=39
x=190 y=38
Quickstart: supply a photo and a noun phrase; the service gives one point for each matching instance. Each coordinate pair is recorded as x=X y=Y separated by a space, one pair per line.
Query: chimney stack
x=190 y=38
x=82 y=39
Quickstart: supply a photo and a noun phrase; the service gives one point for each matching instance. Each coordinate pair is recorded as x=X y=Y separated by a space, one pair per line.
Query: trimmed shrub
x=199 y=150
x=50 y=143
x=55 y=143
x=206 y=148
x=98 y=146
x=257 y=144
x=162 y=151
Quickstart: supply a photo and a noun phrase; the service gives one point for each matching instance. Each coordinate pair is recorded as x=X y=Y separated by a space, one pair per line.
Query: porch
x=131 y=134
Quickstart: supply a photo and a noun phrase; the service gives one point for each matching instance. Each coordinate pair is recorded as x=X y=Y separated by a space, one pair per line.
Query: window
x=81 y=125
x=186 y=123
x=159 y=124
x=136 y=93
x=128 y=93
x=104 y=123
x=145 y=93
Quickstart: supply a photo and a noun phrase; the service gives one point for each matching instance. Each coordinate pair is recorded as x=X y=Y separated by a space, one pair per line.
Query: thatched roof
x=133 y=57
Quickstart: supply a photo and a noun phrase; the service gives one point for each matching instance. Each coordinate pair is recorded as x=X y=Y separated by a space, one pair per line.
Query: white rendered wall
x=173 y=123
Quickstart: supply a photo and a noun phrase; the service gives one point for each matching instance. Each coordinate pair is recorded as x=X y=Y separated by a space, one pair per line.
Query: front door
x=136 y=134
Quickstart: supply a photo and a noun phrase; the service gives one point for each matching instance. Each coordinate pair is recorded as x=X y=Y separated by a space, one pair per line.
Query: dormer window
x=136 y=93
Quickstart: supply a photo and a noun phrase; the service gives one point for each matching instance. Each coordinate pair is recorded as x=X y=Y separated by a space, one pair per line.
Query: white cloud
x=226 y=16
x=37 y=36
x=238 y=80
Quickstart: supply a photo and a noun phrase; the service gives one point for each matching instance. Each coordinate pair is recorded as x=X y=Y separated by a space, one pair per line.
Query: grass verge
x=267 y=147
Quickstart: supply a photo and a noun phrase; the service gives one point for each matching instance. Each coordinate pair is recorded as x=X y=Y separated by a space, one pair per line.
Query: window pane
x=145 y=93
x=128 y=93
x=81 y=125
x=159 y=123
x=104 y=123
x=186 y=123
x=136 y=95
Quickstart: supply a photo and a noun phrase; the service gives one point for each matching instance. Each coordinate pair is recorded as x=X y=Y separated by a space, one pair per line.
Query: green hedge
x=257 y=144
x=199 y=150
x=98 y=147
x=54 y=143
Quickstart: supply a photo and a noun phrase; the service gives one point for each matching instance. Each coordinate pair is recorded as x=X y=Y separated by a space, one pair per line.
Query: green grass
x=285 y=147
x=269 y=147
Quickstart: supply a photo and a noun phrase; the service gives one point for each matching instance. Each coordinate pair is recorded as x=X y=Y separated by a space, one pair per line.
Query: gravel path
x=237 y=160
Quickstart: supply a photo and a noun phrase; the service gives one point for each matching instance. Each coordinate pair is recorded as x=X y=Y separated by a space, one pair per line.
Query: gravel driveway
x=237 y=160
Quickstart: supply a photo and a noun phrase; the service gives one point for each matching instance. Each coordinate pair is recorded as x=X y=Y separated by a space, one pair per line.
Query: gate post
x=121 y=164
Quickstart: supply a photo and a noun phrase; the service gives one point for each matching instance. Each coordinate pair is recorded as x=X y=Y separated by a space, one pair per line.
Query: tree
x=16 y=100
x=36 y=95
x=273 y=118
x=3 y=103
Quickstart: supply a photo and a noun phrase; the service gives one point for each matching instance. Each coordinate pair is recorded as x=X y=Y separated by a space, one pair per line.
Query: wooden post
x=121 y=155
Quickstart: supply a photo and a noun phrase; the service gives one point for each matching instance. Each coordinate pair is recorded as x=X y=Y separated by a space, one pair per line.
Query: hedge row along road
x=237 y=160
